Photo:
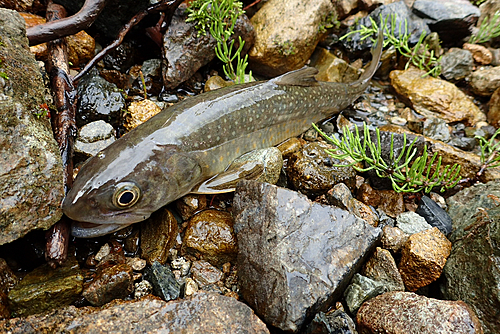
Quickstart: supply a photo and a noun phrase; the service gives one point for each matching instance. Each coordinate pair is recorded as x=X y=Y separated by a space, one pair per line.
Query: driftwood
x=68 y=25
x=64 y=128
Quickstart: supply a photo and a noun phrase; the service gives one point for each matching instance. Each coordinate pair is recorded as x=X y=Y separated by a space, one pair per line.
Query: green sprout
x=41 y=111
x=489 y=151
x=406 y=173
x=419 y=55
x=219 y=17
x=488 y=29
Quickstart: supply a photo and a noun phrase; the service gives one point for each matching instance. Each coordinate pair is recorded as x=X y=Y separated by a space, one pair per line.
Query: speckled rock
x=434 y=97
x=494 y=109
x=408 y=313
x=45 y=289
x=282 y=45
x=381 y=267
x=475 y=254
x=158 y=234
x=332 y=322
x=391 y=202
x=360 y=290
x=205 y=274
x=368 y=195
x=31 y=175
x=92 y=138
x=457 y=64
x=341 y=197
x=480 y=53
x=163 y=281
x=393 y=238
x=209 y=235
x=115 y=282
x=410 y=223
x=292 y=258
x=139 y=112
x=485 y=80
x=423 y=257
x=311 y=170
x=200 y=313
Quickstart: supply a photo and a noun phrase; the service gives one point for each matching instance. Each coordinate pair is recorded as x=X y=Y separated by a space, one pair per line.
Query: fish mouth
x=91 y=230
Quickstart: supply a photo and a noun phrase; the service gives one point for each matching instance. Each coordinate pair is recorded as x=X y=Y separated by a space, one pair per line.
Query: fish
x=176 y=151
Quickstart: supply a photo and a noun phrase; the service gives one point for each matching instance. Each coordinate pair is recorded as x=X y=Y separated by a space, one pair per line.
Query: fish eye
x=126 y=195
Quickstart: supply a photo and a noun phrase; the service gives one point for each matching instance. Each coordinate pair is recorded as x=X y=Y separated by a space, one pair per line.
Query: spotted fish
x=176 y=151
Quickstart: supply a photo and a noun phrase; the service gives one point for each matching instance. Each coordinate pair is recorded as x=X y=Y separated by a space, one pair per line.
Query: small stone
x=188 y=205
x=367 y=195
x=114 y=282
x=437 y=129
x=341 y=197
x=332 y=322
x=209 y=235
x=393 y=238
x=333 y=69
x=411 y=223
x=182 y=265
x=216 y=82
x=136 y=263
x=480 y=53
x=406 y=312
x=391 y=202
x=423 y=258
x=103 y=251
x=141 y=289
x=140 y=112
x=190 y=287
x=158 y=235
x=494 y=109
x=270 y=159
x=485 y=81
x=434 y=215
x=457 y=64
x=205 y=274
x=290 y=146
x=163 y=281
x=360 y=290
x=382 y=268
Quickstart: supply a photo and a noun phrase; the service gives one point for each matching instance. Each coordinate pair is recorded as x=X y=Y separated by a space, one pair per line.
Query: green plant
x=41 y=110
x=219 y=17
x=406 y=173
x=285 y=48
x=488 y=29
x=490 y=150
x=419 y=55
x=329 y=22
x=3 y=74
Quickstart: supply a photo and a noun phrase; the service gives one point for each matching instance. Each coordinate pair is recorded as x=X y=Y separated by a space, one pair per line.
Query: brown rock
x=290 y=146
x=341 y=197
x=210 y=236
x=423 y=258
x=480 y=53
x=188 y=205
x=332 y=68
x=391 y=202
x=216 y=82
x=205 y=274
x=408 y=313
x=140 y=112
x=494 y=109
x=368 y=195
x=433 y=97
x=282 y=45
x=121 y=80
x=485 y=81
x=381 y=267
x=393 y=238
x=114 y=282
x=200 y=313
x=158 y=235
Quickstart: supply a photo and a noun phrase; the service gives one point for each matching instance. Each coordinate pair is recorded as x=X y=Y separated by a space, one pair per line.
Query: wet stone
x=136 y=263
x=45 y=289
x=332 y=322
x=205 y=274
x=360 y=290
x=151 y=72
x=182 y=265
x=382 y=268
x=367 y=195
x=311 y=170
x=341 y=197
x=216 y=82
x=209 y=235
x=475 y=254
x=437 y=129
x=31 y=175
x=393 y=238
x=485 y=80
x=292 y=258
x=406 y=312
x=142 y=288
x=93 y=137
x=98 y=100
x=391 y=202
x=190 y=287
x=163 y=281
x=410 y=223
x=188 y=205
x=139 y=112
x=457 y=64
x=270 y=159
x=115 y=282
x=158 y=235
x=423 y=257
x=332 y=68
x=434 y=215
x=463 y=143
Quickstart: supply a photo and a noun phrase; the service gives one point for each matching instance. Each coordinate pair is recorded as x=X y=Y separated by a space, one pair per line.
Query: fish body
x=166 y=157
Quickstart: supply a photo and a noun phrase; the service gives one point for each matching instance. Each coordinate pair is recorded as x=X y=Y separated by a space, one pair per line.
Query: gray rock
x=270 y=158
x=457 y=64
x=434 y=215
x=381 y=267
x=205 y=274
x=163 y=281
x=360 y=290
x=436 y=128
x=336 y=322
x=451 y=19
x=200 y=313
x=409 y=313
x=410 y=223
x=93 y=137
x=31 y=175
x=476 y=252
x=295 y=256
x=485 y=80
x=151 y=71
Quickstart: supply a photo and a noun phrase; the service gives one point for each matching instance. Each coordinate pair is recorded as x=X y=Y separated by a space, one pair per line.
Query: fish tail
x=376 y=55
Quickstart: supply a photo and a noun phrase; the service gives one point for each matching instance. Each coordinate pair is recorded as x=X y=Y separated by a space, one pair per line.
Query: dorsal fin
x=301 y=77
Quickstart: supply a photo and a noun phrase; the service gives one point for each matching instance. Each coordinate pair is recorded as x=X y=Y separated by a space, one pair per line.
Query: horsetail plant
x=406 y=173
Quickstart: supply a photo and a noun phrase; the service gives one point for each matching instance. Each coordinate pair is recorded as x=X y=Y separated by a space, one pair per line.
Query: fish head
x=125 y=184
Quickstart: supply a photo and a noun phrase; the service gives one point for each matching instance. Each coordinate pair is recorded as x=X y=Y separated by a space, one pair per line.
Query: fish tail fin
x=376 y=55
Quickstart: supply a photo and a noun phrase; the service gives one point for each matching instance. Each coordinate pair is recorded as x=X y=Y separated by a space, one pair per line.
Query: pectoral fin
x=263 y=165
